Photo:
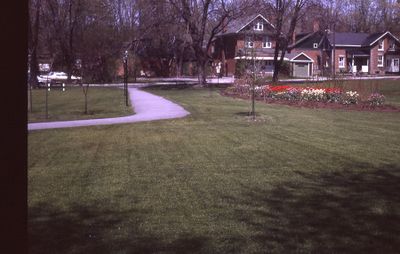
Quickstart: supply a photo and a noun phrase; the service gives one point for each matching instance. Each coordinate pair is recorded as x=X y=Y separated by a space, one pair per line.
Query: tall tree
x=284 y=11
x=205 y=19
x=33 y=40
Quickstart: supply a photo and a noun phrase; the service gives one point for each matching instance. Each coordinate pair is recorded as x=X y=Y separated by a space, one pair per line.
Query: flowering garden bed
x=312 y=97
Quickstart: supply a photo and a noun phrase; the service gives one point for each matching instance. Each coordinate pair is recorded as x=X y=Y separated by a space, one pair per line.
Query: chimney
x=316 y=27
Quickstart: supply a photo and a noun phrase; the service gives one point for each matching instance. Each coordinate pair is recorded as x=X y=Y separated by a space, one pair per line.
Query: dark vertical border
x=13 y=170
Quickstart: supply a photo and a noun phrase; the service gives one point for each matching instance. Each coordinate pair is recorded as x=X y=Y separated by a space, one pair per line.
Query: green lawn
x=70 y=105
x=296 y=181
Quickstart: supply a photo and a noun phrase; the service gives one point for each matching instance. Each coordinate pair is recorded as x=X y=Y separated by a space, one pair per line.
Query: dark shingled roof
x=348 y=38
x=307 y=40
x=371 y=38
x=234 y=26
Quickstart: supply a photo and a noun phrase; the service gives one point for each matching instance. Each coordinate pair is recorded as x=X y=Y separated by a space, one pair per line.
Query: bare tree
x=33 y=41
x=284 y=11
x=205 y=19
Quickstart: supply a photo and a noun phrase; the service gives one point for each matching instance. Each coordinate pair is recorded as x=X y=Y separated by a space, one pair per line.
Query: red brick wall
x=231 y=45
x=340 y=52
x=374 y=69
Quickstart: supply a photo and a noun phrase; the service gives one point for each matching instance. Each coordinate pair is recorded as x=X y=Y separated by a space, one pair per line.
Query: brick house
x=245 y=39
x=252 y=39
x=377 y=53
x=317 y=53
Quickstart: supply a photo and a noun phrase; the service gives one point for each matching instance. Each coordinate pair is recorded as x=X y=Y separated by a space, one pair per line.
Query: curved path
x=147 y=107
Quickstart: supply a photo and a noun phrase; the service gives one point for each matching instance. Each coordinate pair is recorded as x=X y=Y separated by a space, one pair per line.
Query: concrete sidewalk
x=147 y=107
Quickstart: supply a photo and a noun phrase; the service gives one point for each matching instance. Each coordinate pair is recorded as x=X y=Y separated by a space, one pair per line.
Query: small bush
x=376 y=99
x=350 y=97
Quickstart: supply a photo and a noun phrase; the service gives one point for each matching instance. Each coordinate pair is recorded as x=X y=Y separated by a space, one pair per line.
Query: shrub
x=376 y=99
x=333 y=95
x=350 y=97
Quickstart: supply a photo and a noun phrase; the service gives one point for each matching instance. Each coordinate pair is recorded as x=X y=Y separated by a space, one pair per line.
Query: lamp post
x=125 y=58
x=30 y=82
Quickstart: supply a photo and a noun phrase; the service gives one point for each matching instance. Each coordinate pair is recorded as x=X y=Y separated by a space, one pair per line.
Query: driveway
x=147 y=107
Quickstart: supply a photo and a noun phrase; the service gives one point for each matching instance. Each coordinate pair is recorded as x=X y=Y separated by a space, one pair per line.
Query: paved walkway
x=147 y=107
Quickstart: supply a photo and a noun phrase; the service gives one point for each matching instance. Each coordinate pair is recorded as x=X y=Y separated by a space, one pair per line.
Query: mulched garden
x=311 y=97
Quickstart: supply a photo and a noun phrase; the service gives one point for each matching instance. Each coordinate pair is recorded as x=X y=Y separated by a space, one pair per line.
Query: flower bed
x=309 y=96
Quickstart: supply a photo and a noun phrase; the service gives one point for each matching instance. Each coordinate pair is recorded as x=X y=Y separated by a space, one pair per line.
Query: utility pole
x=29 y=83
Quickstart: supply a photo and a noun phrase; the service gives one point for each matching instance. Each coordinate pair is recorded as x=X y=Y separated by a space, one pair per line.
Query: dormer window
x=258 y=26
x=315 y=45
x=267 y=42
x=381 y=45
x=249 y=43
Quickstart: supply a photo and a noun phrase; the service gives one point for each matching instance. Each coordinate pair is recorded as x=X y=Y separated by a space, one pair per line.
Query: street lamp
x=30 y=82
x=125 y=59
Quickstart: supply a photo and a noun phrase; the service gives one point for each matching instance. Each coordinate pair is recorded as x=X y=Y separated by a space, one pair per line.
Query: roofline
x=259 y=15
x=346 y=45
x=259 y=58
x=304 y=54
x=383 y=35
x=302 y=39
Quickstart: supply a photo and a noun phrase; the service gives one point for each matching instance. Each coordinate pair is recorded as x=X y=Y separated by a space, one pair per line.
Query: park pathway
x=147 y=107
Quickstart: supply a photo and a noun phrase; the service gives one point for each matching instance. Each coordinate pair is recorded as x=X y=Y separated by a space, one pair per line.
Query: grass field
x=70 y=105
x=295 y=181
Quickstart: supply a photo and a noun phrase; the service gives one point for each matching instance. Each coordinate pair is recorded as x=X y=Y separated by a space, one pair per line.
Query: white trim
x=344 y=61
x=259 y=15
x=383 y=45
x=304 y=54
x=347 y=45
x=301 y=61
x=383 y=61
x=256 y=26
x=247 y=41
x=383 y=35
x=268 y=44
x=259 y=58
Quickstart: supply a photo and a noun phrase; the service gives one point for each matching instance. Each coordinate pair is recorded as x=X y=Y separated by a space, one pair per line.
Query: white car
x=55 y=76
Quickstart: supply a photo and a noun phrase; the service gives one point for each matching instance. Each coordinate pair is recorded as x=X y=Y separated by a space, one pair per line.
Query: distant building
x=377 y=53
x=252 y=39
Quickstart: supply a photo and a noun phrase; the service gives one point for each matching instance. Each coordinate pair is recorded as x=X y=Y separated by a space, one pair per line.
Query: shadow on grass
x=329 y=213
x=86 y=230
x=245 y=114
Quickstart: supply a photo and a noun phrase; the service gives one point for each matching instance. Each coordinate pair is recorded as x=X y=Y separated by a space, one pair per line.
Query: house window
x=380 y=61
x=381 y=45
x=267 y=42
x=392 y=45
x=315 y=45
x=259 y=26
x=249 y=43
x=341 y=62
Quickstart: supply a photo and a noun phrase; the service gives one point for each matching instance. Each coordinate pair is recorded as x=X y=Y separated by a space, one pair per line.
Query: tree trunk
x=34 y=39
x=202 y=75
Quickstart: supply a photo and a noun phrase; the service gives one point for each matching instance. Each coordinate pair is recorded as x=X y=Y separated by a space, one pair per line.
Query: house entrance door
x=392 y=64
x=395 y=65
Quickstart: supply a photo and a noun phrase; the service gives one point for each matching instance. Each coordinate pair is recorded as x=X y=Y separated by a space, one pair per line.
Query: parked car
x=55 y=77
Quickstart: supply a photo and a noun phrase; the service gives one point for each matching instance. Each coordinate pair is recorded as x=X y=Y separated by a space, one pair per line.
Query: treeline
x=168 y=33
